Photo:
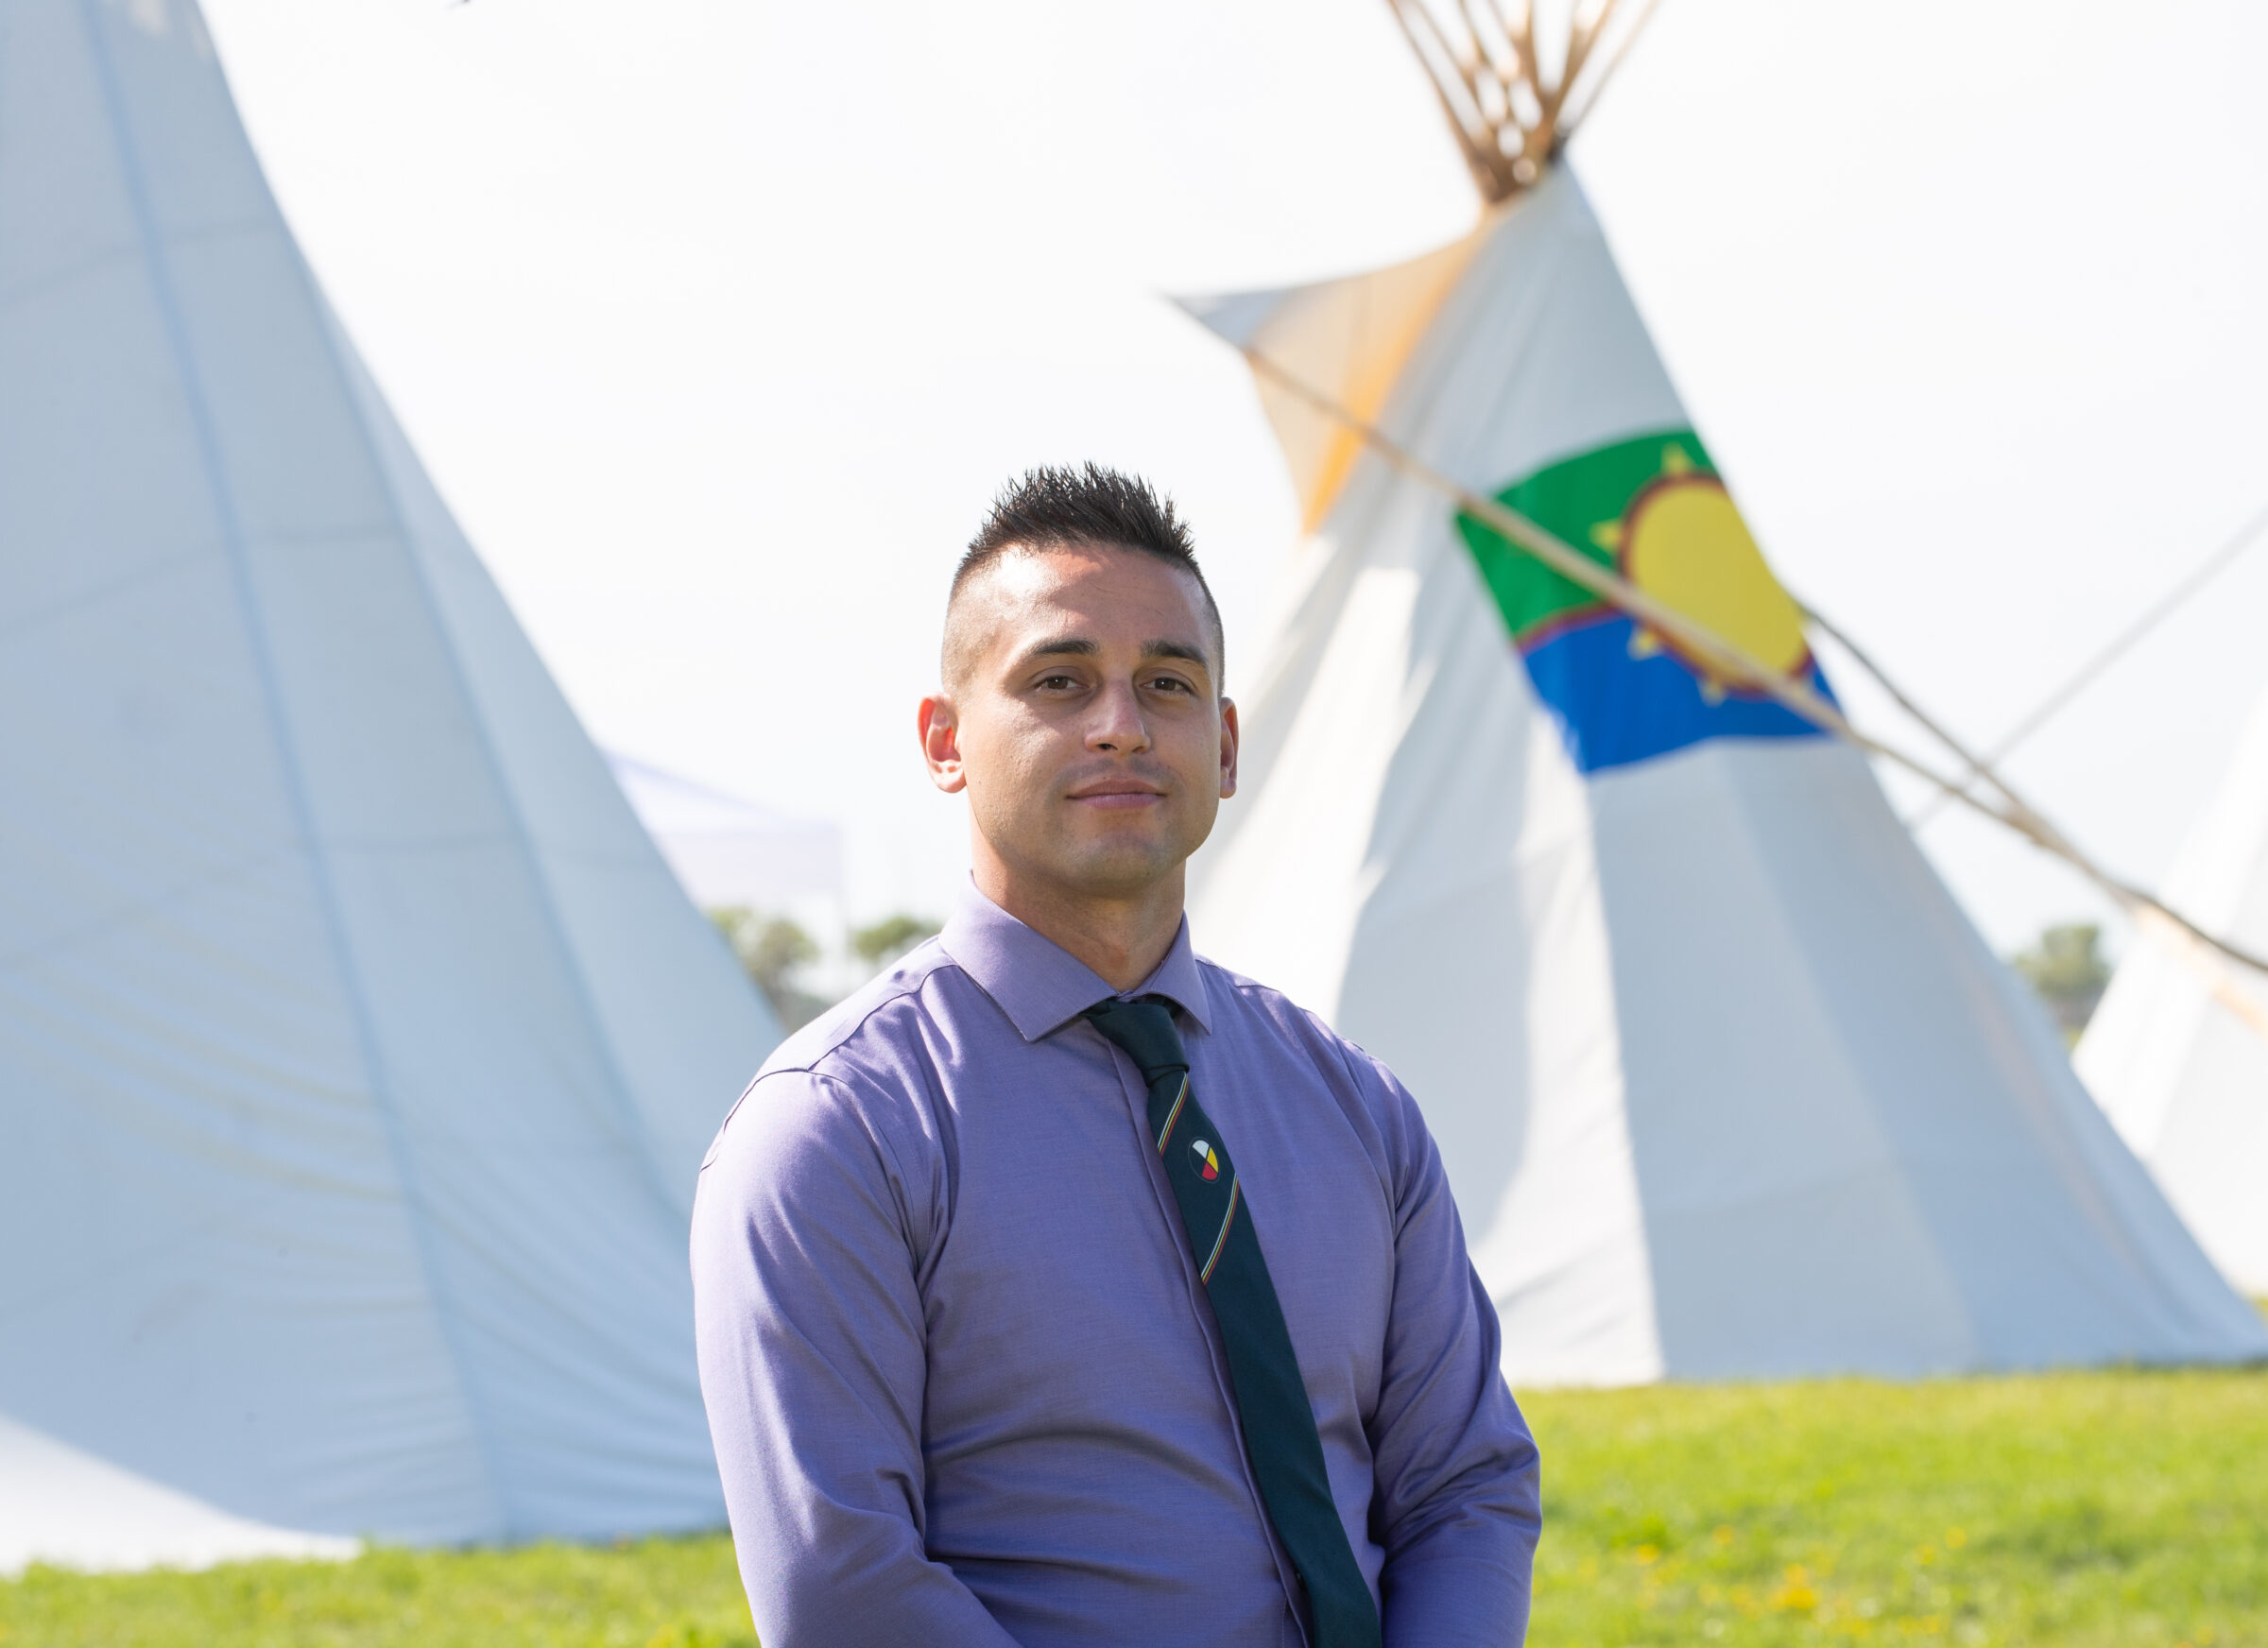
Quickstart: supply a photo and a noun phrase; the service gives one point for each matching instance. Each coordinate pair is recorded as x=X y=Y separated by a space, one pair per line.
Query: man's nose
x=1118 y=727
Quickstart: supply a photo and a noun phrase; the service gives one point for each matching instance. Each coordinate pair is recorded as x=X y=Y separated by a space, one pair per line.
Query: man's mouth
x=1117 y=795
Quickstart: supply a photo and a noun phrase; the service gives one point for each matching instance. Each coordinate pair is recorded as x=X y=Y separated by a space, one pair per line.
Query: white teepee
x=2178 y=1051
x=1726 y=1084
x=357 y=1050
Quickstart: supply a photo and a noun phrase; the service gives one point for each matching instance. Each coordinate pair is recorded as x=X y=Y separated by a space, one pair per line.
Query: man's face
x=1084 y=718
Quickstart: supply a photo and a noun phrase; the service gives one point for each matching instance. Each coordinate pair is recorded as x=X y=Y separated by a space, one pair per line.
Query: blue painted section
x=1614 y=708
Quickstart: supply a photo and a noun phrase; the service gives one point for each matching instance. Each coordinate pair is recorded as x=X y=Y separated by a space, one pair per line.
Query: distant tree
x=2067 y=970
x=890 y=938
x=774 y=950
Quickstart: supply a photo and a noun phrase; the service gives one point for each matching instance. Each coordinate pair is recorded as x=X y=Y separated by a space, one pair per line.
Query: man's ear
x=939 y=727
x=1230 y=737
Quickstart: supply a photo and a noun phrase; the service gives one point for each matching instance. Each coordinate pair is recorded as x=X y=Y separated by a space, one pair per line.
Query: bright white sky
x=718 y=320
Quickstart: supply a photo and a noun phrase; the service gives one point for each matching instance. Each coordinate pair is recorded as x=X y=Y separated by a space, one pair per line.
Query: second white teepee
x=1726 y=1084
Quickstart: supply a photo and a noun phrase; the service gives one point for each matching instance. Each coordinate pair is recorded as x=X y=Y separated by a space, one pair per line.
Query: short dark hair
x=1056 y=509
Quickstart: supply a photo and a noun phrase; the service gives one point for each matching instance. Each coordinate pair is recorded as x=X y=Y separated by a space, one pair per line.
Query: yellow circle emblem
x=1684 y=543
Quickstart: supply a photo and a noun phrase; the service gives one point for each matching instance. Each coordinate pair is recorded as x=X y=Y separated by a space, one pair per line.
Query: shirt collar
x=1041 y=986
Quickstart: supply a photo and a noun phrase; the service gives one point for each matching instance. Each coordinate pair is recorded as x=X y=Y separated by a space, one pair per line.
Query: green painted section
x=1568 y=499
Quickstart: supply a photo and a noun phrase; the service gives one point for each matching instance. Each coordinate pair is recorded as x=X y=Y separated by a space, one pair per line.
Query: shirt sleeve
x=1457 y=1506
x=808 y=1229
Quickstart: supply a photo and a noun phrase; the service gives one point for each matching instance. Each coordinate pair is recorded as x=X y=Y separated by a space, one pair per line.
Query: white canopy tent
x=357 y=1050
x=727 y=851
x=2177 y=1052
x=1726 y=1084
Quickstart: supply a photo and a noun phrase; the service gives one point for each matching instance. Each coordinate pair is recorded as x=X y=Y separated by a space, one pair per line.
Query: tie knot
x=1144 y=1032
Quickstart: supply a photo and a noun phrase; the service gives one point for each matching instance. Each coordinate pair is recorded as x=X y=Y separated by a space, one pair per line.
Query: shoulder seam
x=1236 y=981
x=909 y=987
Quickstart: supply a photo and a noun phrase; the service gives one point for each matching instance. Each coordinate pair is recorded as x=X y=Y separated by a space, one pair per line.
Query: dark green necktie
x=1271 y=1398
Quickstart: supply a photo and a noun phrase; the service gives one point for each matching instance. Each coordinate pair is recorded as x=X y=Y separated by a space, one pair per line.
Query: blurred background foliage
x=2067 y=969
x=791 y=967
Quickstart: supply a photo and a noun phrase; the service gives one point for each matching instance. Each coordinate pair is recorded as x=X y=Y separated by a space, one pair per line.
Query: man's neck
x=1121 y=939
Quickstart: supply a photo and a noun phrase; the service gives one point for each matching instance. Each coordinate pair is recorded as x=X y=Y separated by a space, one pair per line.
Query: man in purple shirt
x=1061 y=1287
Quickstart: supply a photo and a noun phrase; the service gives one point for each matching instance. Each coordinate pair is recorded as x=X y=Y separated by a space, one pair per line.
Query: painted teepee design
x=357 y=1051
x=2178 y=1051
x=1724 y=1082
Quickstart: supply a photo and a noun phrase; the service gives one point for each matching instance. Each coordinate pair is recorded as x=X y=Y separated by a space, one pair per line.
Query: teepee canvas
x=1725 y=1083
x=357 y=1050
x=2178 y=1051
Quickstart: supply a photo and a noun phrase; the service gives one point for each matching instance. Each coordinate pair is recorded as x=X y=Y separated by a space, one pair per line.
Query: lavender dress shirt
x=964 y=1383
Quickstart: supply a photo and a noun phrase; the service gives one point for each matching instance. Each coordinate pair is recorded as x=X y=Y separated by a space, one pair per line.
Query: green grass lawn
x=2079 y=1509
x=656 y=1593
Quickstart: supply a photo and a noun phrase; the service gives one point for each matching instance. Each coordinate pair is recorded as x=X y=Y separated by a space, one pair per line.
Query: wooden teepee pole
x=1509 y=117
x=1581 y=36
x=1476 y=139
x=1573 y=119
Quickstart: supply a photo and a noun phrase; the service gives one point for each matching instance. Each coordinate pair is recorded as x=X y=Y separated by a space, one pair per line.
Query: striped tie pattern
x=1272 y=1408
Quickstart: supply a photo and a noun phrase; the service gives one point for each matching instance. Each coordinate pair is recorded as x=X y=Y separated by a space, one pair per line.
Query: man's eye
x=1170 y=685
x=1054 y=683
